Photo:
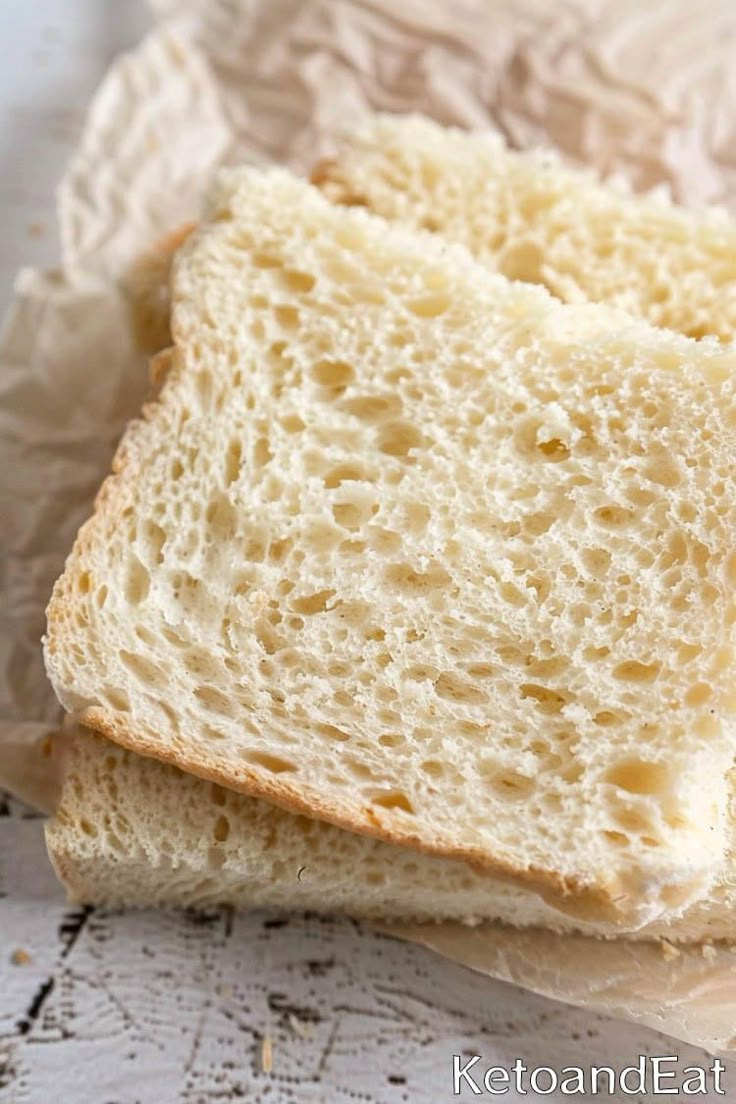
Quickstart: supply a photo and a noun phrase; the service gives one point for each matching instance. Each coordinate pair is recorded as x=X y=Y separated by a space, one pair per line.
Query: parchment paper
x=648 y=91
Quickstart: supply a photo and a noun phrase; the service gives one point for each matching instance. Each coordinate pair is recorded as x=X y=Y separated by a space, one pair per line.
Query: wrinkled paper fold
x=217 y=82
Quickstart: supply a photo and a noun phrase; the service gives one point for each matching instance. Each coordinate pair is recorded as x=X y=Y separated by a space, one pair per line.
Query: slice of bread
x=132 y=832
x=530 y=217
x=424 y=553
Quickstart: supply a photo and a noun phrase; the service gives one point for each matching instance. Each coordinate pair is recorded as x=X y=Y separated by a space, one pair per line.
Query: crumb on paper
x=302 y=1028
x=20 y=957
x=36 y=229
x=223 y=990
x=669 y=950
x=267 y=1054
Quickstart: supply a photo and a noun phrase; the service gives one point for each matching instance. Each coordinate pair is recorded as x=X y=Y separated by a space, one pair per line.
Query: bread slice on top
x=531 y=217
x=422 y=552
x=130 y=831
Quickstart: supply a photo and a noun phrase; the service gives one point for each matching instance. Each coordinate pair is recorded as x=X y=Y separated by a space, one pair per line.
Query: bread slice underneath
x=530 y=217
x=134 y=832
x=421 y=552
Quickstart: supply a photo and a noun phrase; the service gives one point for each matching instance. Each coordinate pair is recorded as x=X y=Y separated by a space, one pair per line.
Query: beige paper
x=687 y=992
x=646 y=91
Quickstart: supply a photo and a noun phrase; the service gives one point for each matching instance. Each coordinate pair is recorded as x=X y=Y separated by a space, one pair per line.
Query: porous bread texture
x=134 y=832
x=531 y=217
x=424 y=553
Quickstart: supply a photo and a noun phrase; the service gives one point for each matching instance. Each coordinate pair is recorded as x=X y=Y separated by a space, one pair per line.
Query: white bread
x=379 y=474
x=129 y=831
x=530 y=217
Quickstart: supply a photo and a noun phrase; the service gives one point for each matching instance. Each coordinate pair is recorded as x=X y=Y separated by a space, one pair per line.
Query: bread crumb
x=669 y=950
x=302 y=1028
x=20 y=957
x=266 y=1054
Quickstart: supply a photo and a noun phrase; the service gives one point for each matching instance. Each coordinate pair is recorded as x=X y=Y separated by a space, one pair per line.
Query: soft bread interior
x=531 y=217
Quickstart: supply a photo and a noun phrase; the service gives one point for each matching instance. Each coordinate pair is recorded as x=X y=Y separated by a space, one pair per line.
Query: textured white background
x=152 y=1009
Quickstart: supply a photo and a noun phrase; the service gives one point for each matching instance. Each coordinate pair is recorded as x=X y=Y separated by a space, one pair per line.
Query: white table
x=145 y=1008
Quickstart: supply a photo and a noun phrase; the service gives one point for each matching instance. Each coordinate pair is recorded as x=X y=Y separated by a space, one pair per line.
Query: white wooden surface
x=145 y=1008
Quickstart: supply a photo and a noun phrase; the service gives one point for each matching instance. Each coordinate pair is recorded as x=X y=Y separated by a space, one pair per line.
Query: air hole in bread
x=632 y=670
x=391 y=739
x=296 y=281
x=650 y=841
x=373 y=408
x=143 y=669
x=512 y=786
x=396 y=799
x=404 y=577
x=333 y=733
x=333 y=373
x=618 y=839
x=453 y=688
x=286 y=317
x=429 y=306
x=118 y=699
x=699 y=694
x=274 y=764
x=613 y=517
x=309 y=604
x=596 y=561
x=606 y=718
x=345 y=473
x=548 y=700
x=350 y=515
x=267 y=637
x=638 y=776
x=262 y=259
x=214 y=701
x=292 y=423
x=554 y=449
x=262 y=452
x=398 y=439
x=218 y=795
x=137 y=581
